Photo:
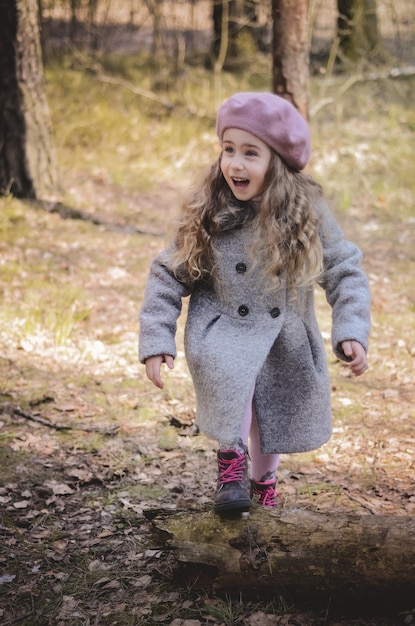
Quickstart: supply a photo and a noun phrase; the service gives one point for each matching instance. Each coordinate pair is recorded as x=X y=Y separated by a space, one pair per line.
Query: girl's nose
x=237 y=163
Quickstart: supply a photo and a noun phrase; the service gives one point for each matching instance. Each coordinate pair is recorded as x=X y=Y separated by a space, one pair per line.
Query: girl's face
x=244 y=162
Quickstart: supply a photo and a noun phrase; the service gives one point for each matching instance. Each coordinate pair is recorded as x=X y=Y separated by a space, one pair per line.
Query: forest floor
x=88 y=446
x=76 y=546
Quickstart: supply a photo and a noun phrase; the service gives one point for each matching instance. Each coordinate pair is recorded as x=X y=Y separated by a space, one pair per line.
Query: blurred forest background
x=128 y=93
x=183 y=26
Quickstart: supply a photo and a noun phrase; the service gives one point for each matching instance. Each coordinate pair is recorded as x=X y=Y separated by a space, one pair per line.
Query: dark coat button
x=240 y=268
x=243 y=310
x=275 y=312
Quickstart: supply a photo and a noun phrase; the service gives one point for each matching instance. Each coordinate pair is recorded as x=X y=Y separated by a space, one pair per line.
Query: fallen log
x=302 y=553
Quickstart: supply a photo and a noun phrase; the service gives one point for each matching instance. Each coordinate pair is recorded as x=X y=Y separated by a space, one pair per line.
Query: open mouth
x=240 y=183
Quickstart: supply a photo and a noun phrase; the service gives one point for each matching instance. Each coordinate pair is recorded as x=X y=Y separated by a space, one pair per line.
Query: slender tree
x=357 y=31
x=27 y=165
x=236 y=29
x=291 y=52
x=226 y=25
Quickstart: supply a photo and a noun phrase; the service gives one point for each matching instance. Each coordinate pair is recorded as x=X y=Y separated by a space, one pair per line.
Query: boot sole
x=233 y=507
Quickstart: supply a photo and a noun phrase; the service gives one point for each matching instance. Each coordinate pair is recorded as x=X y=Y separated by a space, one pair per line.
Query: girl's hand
x=153 y=368
x=356 y=352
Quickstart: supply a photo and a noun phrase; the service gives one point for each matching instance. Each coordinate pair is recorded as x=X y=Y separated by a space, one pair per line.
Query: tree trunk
x=27 y=166
x=73 y=23
x=296 y=552
x=291 y=52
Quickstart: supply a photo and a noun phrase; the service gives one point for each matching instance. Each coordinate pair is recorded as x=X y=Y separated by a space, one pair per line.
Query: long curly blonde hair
x=284 y=224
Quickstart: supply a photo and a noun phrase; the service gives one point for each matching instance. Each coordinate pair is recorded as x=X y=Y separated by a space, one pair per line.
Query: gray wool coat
x=238 y=335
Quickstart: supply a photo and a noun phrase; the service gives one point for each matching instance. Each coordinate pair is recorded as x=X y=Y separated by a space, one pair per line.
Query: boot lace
x=232 y=470
x=268 y=496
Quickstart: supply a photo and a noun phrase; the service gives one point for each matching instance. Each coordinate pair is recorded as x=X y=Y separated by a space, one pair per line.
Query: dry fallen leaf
x=23 y=504
x=142 y=581
x=58 y=489
x=80 y=474
x=114 y=584
x=7 y=578
x=98 y=566
x=68 y=609
x=59 y=546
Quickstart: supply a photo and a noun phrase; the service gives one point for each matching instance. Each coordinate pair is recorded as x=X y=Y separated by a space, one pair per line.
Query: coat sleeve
x=161 y=307
x=346 y=286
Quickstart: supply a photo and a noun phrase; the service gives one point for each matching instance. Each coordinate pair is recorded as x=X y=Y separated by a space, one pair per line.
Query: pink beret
x=271 y=118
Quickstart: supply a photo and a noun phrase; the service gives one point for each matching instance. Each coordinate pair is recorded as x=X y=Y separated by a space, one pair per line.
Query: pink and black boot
x=265 y=493
x=232 y=493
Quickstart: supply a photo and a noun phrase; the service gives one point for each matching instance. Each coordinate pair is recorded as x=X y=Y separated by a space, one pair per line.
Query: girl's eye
x=228 y=149
x=251 y=153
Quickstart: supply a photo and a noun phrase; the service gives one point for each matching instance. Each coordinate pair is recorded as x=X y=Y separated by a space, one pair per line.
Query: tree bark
x=27 y=164
x=296 y=552
x=291 y=52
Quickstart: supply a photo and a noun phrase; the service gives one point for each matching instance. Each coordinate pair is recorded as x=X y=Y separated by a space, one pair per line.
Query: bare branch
x=150 y=95
x=15 y=410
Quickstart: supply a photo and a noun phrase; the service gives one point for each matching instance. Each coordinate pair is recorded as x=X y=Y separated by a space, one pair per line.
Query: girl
x=252 y=240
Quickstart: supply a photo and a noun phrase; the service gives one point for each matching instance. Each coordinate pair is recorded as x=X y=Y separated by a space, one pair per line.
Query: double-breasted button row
x=243 y=311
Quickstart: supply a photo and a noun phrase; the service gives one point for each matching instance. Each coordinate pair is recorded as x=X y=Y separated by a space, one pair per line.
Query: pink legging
x=263 y=466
